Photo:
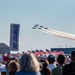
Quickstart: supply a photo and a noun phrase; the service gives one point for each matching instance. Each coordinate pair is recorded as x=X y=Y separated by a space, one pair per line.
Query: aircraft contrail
x=58 y=33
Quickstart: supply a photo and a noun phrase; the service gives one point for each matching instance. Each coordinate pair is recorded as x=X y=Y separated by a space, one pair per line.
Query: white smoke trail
x=43 y=31
x=59 y=33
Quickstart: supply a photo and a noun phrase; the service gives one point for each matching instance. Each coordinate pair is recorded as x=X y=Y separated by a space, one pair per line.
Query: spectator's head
x=61 y=59
x=44 y=63
x=51 y=58
x=29 y=63
x=15 y=59
x=13 y=66
x=73 y=56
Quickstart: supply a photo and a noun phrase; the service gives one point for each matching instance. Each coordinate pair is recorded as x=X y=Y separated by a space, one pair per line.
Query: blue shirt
x=22 y=72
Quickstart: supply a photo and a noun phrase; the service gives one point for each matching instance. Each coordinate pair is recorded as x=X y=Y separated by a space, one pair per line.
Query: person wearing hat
x=61 y=61
x=69 y=69
x=51 y=60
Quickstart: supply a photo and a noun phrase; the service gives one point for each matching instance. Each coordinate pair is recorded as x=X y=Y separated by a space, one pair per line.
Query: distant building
x=65 y=50
x=4 y=48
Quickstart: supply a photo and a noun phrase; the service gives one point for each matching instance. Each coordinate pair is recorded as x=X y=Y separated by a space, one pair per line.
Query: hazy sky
x=55 y=14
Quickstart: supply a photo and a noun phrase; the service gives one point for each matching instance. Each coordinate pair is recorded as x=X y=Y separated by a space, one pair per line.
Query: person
x=29 y=65
x=15 y=59
x=8 y=62
x=69 y=69
x=45 y=70
x=2 y=69
x=51 y=60
x=61 y=61
x=13 y=67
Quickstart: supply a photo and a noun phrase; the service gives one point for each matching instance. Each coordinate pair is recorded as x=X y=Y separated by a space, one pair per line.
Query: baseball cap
x=52 y=56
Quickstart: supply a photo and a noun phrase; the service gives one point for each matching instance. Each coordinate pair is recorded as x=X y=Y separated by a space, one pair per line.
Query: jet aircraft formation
x=54 y=32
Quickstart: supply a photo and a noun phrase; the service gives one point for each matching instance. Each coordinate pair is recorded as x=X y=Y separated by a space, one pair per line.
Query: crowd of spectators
x=28 y=64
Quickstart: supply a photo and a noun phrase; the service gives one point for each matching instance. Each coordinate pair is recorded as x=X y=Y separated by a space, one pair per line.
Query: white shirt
x=51 y=66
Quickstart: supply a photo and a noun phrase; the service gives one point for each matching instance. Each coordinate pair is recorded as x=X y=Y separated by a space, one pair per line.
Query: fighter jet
x=36 y=25
x=45 y=28
x=33 y=27
x=40 y=27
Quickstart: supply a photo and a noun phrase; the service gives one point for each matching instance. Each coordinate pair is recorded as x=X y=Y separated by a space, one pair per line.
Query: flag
x=47 y=51
x=41 y=52
x=37 y=50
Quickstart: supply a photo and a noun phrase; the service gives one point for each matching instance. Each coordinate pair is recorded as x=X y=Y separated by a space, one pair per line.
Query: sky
x=55 y=14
